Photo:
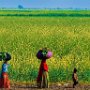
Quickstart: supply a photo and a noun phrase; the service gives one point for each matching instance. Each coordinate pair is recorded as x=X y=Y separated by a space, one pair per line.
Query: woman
x=42 y=79
x=4 y=79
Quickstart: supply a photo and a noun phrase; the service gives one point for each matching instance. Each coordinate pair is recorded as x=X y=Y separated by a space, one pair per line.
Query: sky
x=45 y=3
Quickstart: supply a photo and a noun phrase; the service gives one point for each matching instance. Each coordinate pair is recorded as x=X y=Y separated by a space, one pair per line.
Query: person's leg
x=6 y=82
x=1 y=82
x=39 y=82
x=75 y=83
x=45 y=79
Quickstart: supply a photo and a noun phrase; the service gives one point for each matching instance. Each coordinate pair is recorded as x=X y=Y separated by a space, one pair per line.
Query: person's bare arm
x=76 y=77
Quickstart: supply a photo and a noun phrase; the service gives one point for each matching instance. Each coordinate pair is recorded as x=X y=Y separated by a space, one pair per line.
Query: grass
x=48 y=13
x=67 y=37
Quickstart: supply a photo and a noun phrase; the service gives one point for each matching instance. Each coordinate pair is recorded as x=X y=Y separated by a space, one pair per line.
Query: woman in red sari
x=4 y=79
x=42 y=79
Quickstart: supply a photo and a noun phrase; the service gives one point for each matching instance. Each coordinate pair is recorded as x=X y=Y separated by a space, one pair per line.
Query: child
x=75 y=78
x=4 y=80
x=42 y=79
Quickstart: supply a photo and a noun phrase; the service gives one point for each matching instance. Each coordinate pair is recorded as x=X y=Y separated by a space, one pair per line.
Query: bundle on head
x=5 y=56
x=44 y=54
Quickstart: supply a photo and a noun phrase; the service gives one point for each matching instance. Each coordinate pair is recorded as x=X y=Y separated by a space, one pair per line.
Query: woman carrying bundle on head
x=4 y=79
x=42 y=79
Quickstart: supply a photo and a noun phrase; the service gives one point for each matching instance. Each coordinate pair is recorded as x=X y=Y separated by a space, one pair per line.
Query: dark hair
x=75 y=70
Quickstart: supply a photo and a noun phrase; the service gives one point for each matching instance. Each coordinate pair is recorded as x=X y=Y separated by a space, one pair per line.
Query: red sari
x=43 y=68
x=4 y=81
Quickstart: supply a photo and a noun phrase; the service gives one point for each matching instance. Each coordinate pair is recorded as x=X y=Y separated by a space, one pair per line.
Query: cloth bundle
x=5 y=56
x=44 y=54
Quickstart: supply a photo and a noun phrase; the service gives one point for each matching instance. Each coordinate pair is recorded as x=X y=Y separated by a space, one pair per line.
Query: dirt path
x=52 y=87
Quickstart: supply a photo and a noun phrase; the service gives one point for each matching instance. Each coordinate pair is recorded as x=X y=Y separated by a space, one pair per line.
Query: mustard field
x=68 y=37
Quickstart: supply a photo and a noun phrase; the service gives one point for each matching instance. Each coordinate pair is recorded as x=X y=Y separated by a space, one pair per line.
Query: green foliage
x=67 y=37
